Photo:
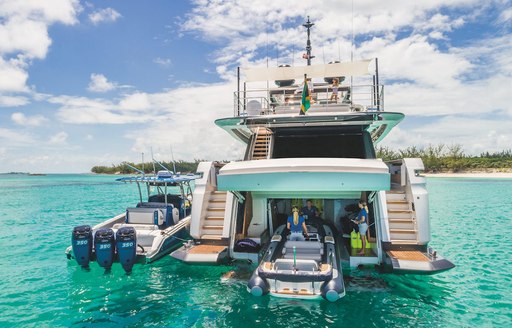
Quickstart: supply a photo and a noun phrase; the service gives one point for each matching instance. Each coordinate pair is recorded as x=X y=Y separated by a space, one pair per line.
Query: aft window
x=330 y=145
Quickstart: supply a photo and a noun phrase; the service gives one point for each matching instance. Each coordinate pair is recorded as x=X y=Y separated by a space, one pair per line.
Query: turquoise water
x=471 y=224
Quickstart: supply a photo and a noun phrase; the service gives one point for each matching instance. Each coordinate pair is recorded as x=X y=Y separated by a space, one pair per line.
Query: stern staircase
x=213 y=223
x=401 y=218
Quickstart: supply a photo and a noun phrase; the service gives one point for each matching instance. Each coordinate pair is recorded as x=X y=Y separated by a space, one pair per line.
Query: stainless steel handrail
x=265 y=101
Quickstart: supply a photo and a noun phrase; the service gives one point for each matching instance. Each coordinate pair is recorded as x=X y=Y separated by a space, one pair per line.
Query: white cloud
x=13 y=76
x=89 y=137
x=136 y=102
x=59 y=138
x=63 y=11
x=165 y=62
x=506 y=16
x=82 y=110
x=24 y=36
x=15 y=138
x=99 y=83
x=21 y=119
x=104 y=15
x=3 y=151
x=188 y=125
x=12 y=101
x=437 y=35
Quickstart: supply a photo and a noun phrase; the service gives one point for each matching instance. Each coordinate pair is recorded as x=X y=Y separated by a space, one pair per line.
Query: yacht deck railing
x=287 y=100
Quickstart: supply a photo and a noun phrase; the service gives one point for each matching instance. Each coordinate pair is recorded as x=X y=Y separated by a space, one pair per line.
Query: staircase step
x=398 y=206
x=217 y=200
x=215 y=209
x=399 y=211
x=397 y=201
x=404 y=220
x=211 y=237
x=214 y=218
x=212 y=227
x=404 y=224
x=396 y=230
x=396 y=198
x=403 y=242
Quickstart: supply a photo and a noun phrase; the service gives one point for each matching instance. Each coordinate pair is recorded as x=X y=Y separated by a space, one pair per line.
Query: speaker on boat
x=105 y=244
x=81 y=242
x=126 y=243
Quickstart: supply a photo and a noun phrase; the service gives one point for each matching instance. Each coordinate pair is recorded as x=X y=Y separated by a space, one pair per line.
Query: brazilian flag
x=306 y=98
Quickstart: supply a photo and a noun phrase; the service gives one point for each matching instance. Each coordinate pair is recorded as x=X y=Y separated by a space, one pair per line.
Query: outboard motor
x=105 y=244
x=126 y=243
x=81 y=242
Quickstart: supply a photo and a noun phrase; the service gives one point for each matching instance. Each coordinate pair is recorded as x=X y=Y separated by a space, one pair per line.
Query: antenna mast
x=173 y=161
x=308 y=55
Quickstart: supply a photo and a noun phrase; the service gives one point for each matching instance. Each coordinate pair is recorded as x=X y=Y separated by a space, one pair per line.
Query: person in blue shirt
x=297 y=225
x=310 y=210
x=362 y=223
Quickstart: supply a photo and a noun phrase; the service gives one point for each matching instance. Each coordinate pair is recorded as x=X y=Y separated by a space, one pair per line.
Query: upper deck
x=272 y=97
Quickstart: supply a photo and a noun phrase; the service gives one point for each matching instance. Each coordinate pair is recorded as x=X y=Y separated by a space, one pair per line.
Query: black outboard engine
x=105 y=245
x=81 y=242
x=126 y=243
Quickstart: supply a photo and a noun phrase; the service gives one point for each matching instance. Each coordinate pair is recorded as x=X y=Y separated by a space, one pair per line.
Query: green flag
x=306 y=98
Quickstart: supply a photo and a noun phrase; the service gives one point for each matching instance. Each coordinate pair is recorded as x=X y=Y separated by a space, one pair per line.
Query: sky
x=85 y=83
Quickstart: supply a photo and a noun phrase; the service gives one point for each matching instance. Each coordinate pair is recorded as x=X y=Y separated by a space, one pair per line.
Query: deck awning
x=303 y=175
x=355 y=68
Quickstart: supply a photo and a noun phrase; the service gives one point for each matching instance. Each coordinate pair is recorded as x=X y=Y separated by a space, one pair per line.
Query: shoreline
x=487 y=175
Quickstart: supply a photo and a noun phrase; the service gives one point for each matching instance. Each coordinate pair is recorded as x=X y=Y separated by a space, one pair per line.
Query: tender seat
x=300 y=265
x=305 y=250
x=145 y=233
